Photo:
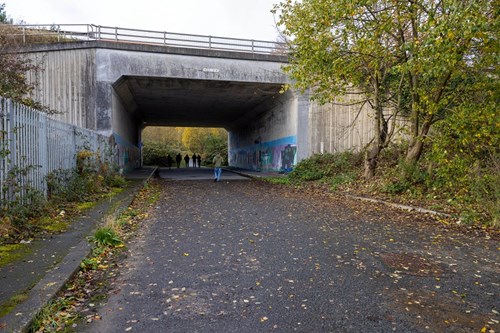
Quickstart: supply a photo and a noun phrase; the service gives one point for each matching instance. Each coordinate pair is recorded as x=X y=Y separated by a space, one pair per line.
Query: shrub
x=407 y=178
x=21 y=210
x=326 y=166
x=155 y=153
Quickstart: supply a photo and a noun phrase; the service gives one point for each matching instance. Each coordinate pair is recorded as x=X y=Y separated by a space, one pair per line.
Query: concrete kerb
x=399 y=206
x=253 y=174
x=21 y=317
x=259 y=175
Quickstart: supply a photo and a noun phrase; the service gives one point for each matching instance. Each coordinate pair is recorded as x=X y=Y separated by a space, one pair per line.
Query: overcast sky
x=249 y=19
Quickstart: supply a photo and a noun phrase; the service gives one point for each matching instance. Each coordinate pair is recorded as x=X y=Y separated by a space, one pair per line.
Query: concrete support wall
x=337 y=128
x=66 y=83
x=126 y=134
x=269 y=142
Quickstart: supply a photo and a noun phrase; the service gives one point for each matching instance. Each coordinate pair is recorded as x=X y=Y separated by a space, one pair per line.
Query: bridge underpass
x=178 y=102
x=118 y=89
x=232 y=105
x=195 y=103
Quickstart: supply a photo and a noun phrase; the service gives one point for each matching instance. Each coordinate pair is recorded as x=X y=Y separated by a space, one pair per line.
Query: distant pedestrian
x=194 y=160
x=217 y=167
x=178 y=159
x=199 y=160
x=186 y=159
x=170 y=160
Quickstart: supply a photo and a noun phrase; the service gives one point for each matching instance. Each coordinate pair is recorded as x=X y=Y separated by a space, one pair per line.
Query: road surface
x=247 y=256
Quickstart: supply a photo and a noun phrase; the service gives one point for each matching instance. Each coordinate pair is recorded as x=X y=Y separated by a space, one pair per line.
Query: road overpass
x=118 y=84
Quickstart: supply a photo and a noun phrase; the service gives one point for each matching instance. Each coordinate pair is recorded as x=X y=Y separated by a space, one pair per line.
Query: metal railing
x=32 y=145
x=43 y=33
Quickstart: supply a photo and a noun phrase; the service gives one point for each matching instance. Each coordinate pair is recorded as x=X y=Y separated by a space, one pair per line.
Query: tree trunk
x=371 y=159
x=417 y=144
x=373 y=151
x=414 y=152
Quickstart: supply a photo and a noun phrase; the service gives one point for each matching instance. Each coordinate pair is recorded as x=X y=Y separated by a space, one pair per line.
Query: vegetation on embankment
x=470 y=194
x=70 y=192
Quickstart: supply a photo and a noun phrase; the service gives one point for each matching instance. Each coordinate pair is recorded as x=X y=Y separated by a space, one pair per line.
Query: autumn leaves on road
x=248 y=256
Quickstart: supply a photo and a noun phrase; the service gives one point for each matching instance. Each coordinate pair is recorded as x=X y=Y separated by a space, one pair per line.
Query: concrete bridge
x=118 y=87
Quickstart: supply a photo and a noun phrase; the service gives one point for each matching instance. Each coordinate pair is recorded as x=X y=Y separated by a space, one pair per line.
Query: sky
x=248 y=19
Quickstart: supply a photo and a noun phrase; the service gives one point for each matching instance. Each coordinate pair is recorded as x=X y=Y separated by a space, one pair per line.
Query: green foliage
x=155 y=153
x=329 y=166
x=342 y=178
x=106 y=236
x=158 y=142
x=91 y=177
x=207 y=141
x=425 y=59
x=278 y=180
x=24 y=203
x=465 y=153
x=26 y=206
x=20 y=212
x=408 y=178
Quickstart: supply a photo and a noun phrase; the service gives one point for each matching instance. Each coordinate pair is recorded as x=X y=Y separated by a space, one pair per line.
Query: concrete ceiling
x=195 y=103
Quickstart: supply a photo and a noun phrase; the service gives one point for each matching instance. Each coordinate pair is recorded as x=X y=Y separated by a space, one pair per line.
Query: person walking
x=194 y=160
x=186 y=159
x=178 y=159
x=170 y=160
x=199 y=160
x=217 y=167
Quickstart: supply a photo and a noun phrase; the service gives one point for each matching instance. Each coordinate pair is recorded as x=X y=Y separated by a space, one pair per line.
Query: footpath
x=38 y=276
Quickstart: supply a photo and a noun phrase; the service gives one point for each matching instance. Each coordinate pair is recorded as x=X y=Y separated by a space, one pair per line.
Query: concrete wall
x=337 y=128
x=125 y=134
x=270 y=141
x=66 y=83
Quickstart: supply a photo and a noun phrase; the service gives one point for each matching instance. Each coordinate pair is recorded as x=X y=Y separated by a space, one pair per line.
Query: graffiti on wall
x=126 y=155
x=277 y=155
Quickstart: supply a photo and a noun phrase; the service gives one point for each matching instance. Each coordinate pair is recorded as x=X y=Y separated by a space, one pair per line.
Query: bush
x=20 y=211
x=155 y=153
x=90 y=177
x=340 y=179
x=23 y=201
x=71 y=186
x=327 y=166
x=408 y=177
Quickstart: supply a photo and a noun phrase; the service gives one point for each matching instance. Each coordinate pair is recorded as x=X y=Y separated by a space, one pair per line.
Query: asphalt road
x=246 y=256
x=203 y=173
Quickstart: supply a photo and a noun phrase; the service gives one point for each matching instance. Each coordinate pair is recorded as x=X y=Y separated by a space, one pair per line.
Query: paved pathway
x=197 y=174
x=246 y=256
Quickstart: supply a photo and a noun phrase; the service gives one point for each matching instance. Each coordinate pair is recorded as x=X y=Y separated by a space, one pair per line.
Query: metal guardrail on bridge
x=43 y=33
